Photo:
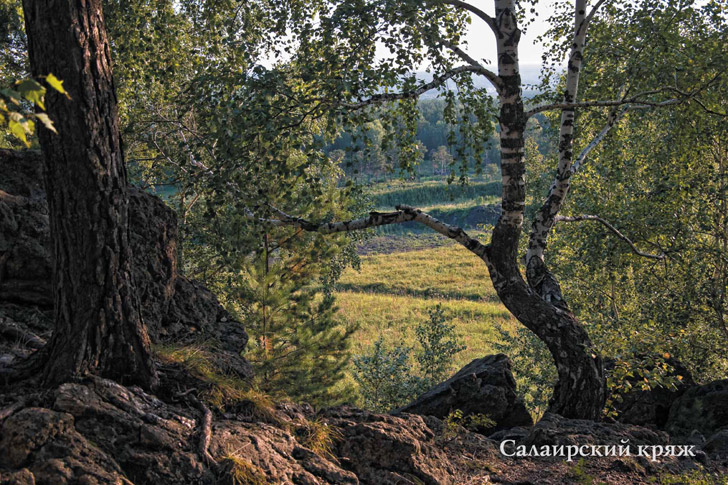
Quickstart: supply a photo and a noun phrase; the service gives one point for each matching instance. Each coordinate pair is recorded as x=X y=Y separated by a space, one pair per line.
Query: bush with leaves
x=533 y=367
x=439 y=344
x=390 y=378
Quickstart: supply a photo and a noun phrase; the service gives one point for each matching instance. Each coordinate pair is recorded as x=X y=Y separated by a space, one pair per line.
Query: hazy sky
x=481 y=43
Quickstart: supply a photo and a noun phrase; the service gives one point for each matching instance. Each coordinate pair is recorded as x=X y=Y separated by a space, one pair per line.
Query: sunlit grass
x=445 y=272
x=393 y=292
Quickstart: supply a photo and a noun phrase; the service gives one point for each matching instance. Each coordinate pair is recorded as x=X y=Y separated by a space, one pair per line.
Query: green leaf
x=19 y=130
x=13 y=96
x=46 y=122
x=56 y=84
x=31 y=90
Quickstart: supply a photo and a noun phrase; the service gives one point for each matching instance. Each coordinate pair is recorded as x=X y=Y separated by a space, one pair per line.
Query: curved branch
x=594 y=11
x=494 y=79
x=635 y=100
x=614 y=116
x=437 y=81
x=404 y=213
x=472 y=9
x=616 y=231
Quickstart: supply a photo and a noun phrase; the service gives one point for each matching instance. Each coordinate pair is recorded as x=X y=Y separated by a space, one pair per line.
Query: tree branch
x=594 y=11
x=632 y=100
x=472 y=9
x=616 y=231
x=423 y=88
x=614 y=116
x=494 y=79
x=404 y=213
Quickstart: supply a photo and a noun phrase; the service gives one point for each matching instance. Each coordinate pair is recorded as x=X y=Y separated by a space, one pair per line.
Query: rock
x=556 y=430
x=25 y=262
x=45 y=444
x=703 y=408
x=97 y=431
x=173 y=308
x=717 y=444
x=20 y=477
x=194 y=313
x=516 y=433
x=652 y=407
x=381 y=448
x=484 y=386
x=274 y=454
x=153 y=238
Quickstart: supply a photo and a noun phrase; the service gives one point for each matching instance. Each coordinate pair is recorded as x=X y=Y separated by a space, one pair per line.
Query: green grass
x=450 y=203
x=445 y=272
x=393 y=292
x=406 y=271
x=388 y=194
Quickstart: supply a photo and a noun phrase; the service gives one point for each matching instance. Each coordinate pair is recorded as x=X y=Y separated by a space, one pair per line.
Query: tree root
x=205 y=431
x=13 y=331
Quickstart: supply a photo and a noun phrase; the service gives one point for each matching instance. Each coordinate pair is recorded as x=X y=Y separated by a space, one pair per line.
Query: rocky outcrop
x=97 y=431
x=553 y=429
x=702 y=408
x=484 y=386
x=25 y=263
x=174 y=308
x=717 y=444
x=381 y=448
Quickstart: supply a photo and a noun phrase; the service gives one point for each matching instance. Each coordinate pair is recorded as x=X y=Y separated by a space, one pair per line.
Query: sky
x=481 y=43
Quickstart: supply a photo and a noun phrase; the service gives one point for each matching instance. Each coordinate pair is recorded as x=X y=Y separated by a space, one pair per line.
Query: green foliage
x=638 y=373
x=16 y=117
x=387 y=378
x=698 y=476
x=533 y=368
x=456 y=421
x=660 y=178
x=580 y=475
x=438 y=345
x=384 y=377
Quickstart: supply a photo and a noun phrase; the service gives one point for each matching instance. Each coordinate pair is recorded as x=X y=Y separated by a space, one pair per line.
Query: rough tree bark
x=97 y=314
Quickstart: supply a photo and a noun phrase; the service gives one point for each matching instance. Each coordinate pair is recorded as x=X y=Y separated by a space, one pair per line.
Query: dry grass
x=318 y=436
x=224 y=392
x=237 y=471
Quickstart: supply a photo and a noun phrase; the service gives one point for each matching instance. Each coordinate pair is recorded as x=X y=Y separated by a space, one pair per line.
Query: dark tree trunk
x=97 y=315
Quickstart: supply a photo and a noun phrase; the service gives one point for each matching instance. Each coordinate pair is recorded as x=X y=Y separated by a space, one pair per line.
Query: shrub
x=390 y=378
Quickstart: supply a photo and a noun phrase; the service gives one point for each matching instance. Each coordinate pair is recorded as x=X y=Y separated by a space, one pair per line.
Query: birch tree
x=339 y=41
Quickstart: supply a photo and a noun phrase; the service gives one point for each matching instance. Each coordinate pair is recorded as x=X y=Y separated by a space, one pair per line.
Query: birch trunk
x=580 y=391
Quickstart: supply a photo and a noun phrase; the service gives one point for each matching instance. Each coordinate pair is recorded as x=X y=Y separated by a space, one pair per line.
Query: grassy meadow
x=406 y=272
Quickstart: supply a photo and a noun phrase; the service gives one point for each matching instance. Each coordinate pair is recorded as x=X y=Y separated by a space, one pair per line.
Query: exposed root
x=26 y=369
x=13 y=331
x=205 y=431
